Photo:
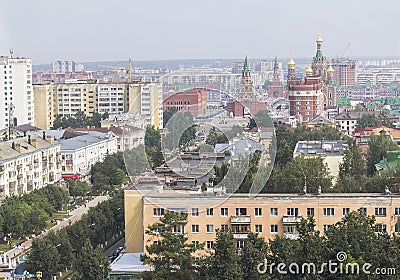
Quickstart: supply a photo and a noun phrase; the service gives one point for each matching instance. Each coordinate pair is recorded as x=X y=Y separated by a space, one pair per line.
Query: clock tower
x=246 y=83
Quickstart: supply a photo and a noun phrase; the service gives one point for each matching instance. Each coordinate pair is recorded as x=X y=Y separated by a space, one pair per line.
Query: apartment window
x=209 y=228
x=177 y=229
x=397 y=227
x=158 y=212
x=380 y=228
x=240 y=244
x=292 y=211
x=326 y=227
x=209 y=244
x=258 y=228
x=195 y=211
x=195 y=228
x=195 y=243
x=209 y=211
x=397 y=211
x=241 y=211
x=380 y=212
x=274 y=211
x=224 y=211
x=362 y=210
x=310 y=212
x=329 y=211
x=258 y=212
x=274 y=228
x=225 y=228
x=345 y=211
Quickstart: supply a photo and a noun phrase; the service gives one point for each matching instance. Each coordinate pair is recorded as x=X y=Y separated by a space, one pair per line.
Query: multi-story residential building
x=347 y=121
x=66 y=67
x=378 y=75
x=16 y=92
x=28 y=163
x=344 y=71
x=368 y=91
x=193 y=101
x=79 y=153
x=269 y=215
x=66 y=99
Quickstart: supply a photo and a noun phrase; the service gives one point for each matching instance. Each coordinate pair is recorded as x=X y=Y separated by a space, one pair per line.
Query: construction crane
x=127 y=69
x=343 y=52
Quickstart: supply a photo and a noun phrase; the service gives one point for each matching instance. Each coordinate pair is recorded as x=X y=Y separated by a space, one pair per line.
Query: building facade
x=16 y=92
x=345 y=71
x=276 y=89
x=193 y=101
x=269 y=215
x=66 y=67
x=28 y=163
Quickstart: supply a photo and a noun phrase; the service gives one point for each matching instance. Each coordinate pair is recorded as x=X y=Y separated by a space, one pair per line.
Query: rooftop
x=85 y=140
x=321 y=148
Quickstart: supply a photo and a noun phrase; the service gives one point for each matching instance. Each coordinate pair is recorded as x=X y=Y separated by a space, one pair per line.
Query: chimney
x=49 y=139
x=17 y=147
x=29 y=140
x=44 y=135
x=34 y=142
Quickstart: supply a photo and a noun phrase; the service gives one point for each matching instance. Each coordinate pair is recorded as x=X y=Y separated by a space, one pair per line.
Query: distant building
x=28 y=163
x=66 y=67
x=390 y=163
x=378 y=76
x=345 y=72
x=276 y=89
x=332 y=152
x=193 y=101
x=16 y=92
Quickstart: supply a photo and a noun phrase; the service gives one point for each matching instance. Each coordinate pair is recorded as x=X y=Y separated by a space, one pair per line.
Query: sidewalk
x=14 y=254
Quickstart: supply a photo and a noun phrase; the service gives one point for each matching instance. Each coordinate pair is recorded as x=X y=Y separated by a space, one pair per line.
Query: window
x=274 y=228
x=158 y=212
x=240 y=244
x=224 y=211
x=195 y=211
x=195 y=243
x=397 y=211
x=241 y=211
x=257 y=212
x=274 y=212
x=209 y=244
x=310 y=212
x=177 y=229
x=258 y=228
x=362 y=210
x=209 y=211
x=380 y=228
x=345 y=211
x=195 y=228
x=380 y=212
x=225 y=228
x=292 y=211
x=326 y=227
x=209 y=228
x=397 y=227
x=329 y=211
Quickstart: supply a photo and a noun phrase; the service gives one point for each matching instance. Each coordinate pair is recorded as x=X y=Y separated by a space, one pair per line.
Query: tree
x=171 y=257
x=255 y=251
x=91 y=263
x=43 y=257
x=168 y=114
x=77 y=188
x=224 y=262
x=378 y=146
x=353 y=163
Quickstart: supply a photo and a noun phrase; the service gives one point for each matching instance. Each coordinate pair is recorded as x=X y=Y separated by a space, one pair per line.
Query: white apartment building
x=28 y=163
x=111 y=98
x=79 y=153
x=378 y=76
x=66 y=66
x=16 y=92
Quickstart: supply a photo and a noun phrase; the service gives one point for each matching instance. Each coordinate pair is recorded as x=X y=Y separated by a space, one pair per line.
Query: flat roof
x=321 y=148
x=128 y=263
x=78 y=142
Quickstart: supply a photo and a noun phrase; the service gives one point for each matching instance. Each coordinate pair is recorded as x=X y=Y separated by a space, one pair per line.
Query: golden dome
x=309 y=71
x=330 y=70
x=291 y=63
x=319 y=39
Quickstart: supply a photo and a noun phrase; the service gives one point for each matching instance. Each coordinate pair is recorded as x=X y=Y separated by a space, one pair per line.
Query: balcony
x=240 y=235
x=36 y=160
x=240 y=219
x=44 y=158
x=2 y=168
x=58 y=153
x=291 y=235
x=11 y=189
x=19 y=166
x=20 y=189
x=19 y=177
x=50 y=155
x=51 y=164
x=290 y=220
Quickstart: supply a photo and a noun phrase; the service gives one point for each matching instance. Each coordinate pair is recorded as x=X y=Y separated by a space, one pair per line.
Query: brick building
x=193 y=100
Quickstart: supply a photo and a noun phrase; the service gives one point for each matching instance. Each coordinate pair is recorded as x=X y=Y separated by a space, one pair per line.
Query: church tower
x=291 y=69
x=276 y=89
x=246 y=83
x=319 y=65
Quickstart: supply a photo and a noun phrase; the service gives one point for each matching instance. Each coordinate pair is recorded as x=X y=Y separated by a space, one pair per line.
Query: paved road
x=75 y=216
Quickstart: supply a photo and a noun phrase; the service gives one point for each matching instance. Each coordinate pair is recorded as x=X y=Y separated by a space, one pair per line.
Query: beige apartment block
x=268 y=214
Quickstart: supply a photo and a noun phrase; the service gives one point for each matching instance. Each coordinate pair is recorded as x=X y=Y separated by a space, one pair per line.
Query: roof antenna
x=11 y=53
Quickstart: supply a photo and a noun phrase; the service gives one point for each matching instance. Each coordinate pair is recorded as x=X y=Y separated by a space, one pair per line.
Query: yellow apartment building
x=268 y=214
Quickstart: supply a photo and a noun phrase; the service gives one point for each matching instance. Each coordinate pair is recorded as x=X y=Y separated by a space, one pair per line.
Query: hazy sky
x=94 y=30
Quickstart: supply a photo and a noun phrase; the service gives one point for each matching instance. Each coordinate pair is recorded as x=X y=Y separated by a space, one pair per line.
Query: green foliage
x=79 y=120
x=370 y=120
x=171 y=257
x=216 y=136
x=43 y=257
x=136 y=160
x=167 y=115
x=378 y=146
x=152 y=142
x=254 y=252
x=77 y=188
x=91 y=263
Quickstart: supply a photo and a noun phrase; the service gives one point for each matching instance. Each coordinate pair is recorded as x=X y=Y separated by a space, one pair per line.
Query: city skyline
x=86 y=31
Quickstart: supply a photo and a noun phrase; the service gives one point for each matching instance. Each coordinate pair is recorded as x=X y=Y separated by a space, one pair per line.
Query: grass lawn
x=4 y=247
